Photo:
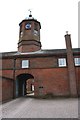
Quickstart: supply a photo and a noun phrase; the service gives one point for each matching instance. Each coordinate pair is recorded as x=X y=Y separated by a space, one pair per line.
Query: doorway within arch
x=24 y=85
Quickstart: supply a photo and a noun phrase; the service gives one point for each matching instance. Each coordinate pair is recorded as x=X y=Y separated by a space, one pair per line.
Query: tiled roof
x=40 y=52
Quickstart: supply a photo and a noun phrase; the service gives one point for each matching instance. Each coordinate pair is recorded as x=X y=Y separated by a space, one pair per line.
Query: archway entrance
x=24 y=85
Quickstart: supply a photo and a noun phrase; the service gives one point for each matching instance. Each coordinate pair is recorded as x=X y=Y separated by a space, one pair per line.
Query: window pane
x=62 y=62
x=35 y=26
x=77 y=61
x=25 y=63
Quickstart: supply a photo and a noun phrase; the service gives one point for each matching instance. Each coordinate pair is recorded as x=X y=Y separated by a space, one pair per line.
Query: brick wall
x=53 y=81
x=46 y=62
x=0 y=89
x=71 y=68
x=46 y=81
x=28 y=48
x=0 y=63
x=8 y=73
x=7 y=63
x=78 y=79
x=7 y=89
x=48 y=77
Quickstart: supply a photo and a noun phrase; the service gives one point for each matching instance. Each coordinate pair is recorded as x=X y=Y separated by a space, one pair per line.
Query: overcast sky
x=56 y=17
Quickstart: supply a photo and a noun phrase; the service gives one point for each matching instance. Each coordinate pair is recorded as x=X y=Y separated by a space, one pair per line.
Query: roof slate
x=40 y=52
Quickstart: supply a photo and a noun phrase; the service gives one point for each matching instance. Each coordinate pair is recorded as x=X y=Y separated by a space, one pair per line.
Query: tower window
x=77 y=61
x=25 y=63
x=62 y=62
x=21 y=34
x=36 y=26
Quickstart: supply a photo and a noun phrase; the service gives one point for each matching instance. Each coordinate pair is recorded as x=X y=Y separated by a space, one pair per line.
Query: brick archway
x=24 y=84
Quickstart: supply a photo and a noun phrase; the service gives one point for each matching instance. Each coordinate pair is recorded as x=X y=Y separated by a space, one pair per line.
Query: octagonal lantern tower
x=29 y=35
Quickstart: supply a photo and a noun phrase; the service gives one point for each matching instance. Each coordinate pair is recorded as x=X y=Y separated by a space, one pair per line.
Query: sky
x=56 y=17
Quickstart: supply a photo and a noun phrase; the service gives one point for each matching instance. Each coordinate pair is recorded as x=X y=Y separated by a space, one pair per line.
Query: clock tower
x=29 y=35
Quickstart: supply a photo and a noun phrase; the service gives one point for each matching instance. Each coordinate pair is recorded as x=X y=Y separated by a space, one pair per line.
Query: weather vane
x=66 y=32
x=30 y=11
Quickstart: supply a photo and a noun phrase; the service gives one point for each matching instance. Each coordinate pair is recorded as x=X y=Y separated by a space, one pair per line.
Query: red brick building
x=40 y=72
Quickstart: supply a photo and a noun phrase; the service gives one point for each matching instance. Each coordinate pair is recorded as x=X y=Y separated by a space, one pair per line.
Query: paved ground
x=40 y=108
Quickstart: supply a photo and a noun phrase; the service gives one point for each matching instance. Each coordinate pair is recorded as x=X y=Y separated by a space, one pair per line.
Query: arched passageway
x=24 y=85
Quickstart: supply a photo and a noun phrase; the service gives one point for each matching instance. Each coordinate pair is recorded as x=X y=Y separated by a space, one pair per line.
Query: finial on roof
x=30 y=13
x=67 y=32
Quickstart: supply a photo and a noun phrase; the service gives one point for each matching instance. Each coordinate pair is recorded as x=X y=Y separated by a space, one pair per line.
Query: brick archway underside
x=21 y=84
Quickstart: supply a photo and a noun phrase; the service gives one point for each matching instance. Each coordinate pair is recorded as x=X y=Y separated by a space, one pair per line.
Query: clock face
x=28 y=26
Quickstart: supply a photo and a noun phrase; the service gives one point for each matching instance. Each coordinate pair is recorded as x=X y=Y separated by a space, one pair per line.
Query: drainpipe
x=71 y=66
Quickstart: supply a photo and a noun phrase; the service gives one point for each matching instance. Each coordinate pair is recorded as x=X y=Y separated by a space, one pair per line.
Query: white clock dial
x=28 y=26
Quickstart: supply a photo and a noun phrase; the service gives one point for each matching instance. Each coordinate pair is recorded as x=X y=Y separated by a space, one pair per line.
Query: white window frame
x=25 y=63
x=62 y=62
x=77 y=61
